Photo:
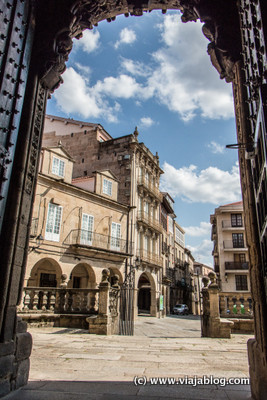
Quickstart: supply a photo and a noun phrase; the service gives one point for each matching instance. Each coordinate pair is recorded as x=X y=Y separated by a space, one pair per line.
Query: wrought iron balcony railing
x=81 y=237
x=149 y=257
x=170 y=274
x=230 y=224
x=180 y=263
x=232 y=265
x=234 y=244
x=148 y=184
x=149 y=220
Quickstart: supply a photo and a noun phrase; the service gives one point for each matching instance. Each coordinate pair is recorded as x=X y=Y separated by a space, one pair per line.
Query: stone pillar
x=153 y=306
x=101 y=324
x=104 y=298
x=211 y=324
x=135 y=304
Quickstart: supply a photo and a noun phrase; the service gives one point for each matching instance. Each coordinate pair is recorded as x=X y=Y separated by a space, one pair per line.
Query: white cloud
x=210 y=185
x=146 y=122
x=179 y=76
x=84 y=69
x=89 y=42
x=76 y=96
x=135 y=68
x=184 y=79
x=123 y=86
x=127 y=36
x=203 y=229
x=216 y=148
x=202 y=252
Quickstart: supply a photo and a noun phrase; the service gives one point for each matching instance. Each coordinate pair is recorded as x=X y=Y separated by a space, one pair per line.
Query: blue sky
x=154 y=72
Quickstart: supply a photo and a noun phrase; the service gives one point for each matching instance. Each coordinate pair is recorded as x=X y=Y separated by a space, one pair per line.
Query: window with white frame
x=179 y=236
x=107 y=187
x=87 y=229
x=58 y=167
x=170 y=224
x=52 y=229
x=115 y=236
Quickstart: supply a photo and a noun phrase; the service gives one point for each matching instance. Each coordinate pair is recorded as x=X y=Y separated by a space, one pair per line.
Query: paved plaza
x=70 y=364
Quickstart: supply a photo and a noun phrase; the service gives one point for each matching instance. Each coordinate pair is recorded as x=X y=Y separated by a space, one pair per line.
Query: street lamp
x=39 y=240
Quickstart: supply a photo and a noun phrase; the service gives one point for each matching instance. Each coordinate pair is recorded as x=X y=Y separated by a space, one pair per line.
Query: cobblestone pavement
x=68 y=364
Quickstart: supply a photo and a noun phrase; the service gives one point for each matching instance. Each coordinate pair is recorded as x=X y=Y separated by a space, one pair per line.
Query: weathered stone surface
x=4 y=387
x=21 y=325
x=100 y=325
x=9 y=322
x=242 y=325
x=6 y=366
x=24 y=346
x=22 y=373
x=7 y=348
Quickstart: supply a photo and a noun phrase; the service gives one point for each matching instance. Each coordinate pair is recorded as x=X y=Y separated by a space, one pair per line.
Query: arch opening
x=45 y=273
x=82 y=276
x=146 y=292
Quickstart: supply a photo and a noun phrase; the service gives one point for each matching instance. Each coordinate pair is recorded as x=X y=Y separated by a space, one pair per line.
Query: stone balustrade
x=231 y=306
x=60 y=300
x=75 y=308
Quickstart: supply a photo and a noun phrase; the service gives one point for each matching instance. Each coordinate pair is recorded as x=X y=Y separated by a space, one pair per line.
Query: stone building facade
x=158 y=241
x=231 y=260
x=138 y=189
x=177 y=260
x=78 y=226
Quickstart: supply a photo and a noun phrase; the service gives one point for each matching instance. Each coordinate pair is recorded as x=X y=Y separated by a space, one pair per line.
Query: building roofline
x=71 y=186
x=52 y=148
x=77 y=122
x=233 y=204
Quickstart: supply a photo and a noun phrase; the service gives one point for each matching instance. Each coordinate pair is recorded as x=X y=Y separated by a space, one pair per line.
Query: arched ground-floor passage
x=45 y=273
x=52 y=271
x=146 y=295
x=82 y=276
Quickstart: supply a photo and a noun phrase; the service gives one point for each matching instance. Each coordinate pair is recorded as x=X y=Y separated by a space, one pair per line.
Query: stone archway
x=146 y=298
x=82 y=276
x=45 y=273
x=36 y=42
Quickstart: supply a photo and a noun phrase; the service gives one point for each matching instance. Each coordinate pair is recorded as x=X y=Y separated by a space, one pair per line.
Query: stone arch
x=146 y=298
x=222 y=29
x=82 y=276
x=46 y=272
x=56 y=24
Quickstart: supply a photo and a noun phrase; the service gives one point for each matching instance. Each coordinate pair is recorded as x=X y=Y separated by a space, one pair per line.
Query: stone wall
x=14 y=359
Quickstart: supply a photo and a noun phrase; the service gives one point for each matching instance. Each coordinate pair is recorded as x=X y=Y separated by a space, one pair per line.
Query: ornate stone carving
x=35 y=142
x=221 y=27
x=105 y=275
